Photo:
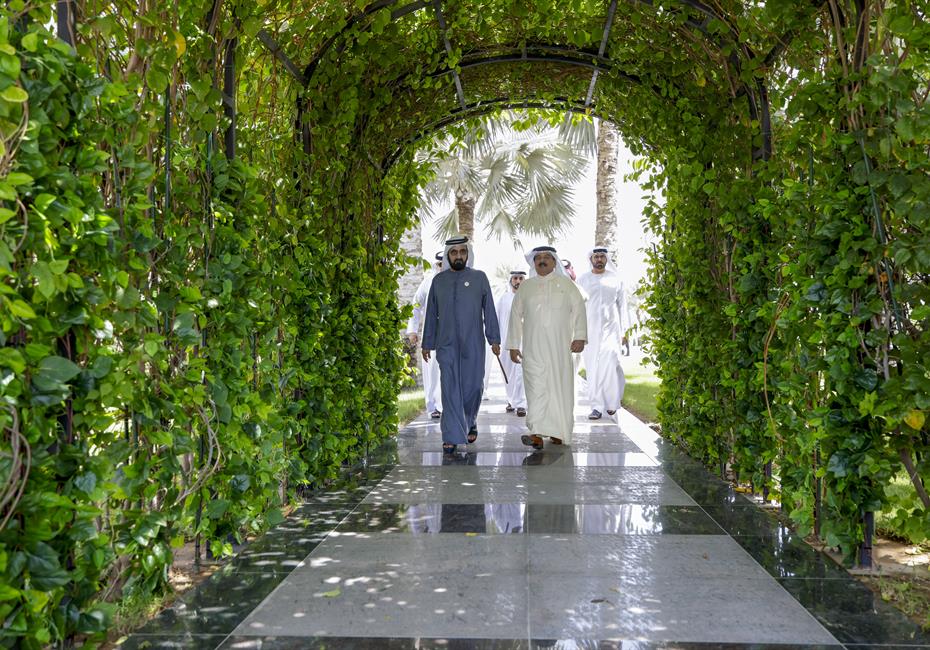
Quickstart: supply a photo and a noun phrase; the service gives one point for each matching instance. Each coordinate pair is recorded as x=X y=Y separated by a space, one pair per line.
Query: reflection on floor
x=617 y=541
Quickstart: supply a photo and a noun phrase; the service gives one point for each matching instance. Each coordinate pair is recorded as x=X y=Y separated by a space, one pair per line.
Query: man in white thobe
x=429 y=369
x=547 y=324
x=516 y=396
x=606 y=311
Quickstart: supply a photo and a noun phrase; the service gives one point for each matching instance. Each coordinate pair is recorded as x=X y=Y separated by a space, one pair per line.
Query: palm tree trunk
x=412 y=243
x=465 y=205
x=605 y=230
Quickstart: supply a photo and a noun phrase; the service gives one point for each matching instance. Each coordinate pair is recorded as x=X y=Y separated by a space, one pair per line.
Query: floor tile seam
x=428 y=501
x=593 y=469
x=528 y=591
x=775 y=579
x=476 y=535
x=441 y=534
x=837 y=578
x=643 y=469
x=285 y=576
x=771 y=576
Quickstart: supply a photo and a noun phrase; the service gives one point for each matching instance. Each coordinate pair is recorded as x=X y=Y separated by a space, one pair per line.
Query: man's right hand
x=414 y=338
x=515 y=356
x=425 y=354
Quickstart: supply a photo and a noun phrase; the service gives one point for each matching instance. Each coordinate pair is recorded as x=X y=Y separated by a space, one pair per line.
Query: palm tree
x=513 y=175
x=605 y=228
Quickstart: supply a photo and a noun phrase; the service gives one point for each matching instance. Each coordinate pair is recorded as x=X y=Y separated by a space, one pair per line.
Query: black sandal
x=448 y=448
x=472 y=435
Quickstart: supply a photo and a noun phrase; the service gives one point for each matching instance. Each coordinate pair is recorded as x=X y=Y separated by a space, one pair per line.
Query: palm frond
x=579 y=133
x=548 y=213
x=501 y=225
x=447 y=225
x=502 y=187
x=518 y=166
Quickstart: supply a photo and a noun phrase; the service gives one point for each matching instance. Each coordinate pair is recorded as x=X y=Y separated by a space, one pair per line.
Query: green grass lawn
x=642 y=385
x=639 y=397
x=906 y=529
x=409 y=405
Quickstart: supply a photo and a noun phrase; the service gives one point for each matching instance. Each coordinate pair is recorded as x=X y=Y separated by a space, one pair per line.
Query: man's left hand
x=496 y=349
x=577 y=345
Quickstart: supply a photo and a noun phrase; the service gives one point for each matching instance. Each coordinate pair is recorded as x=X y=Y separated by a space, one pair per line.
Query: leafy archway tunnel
x=201 y=217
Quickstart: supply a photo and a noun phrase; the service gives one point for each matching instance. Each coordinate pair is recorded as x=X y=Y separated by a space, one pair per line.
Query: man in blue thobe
x=460 y=316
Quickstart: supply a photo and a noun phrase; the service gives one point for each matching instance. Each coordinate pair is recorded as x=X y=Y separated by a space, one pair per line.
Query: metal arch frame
x=412 y=7
x=757 y=96
x=485 y=106
x=441 y=19
x=608 y=24
x=582 y=62
x=561 y=55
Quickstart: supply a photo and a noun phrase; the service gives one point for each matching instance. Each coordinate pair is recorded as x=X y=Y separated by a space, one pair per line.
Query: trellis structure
x=190 y=336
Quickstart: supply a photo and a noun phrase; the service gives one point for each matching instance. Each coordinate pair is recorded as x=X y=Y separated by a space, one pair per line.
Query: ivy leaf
x=866 y=378
x=86 y=482
x=274 y=517
x=12 y=359
x=915 y=419
x=21 y=309
x=44 y=569
x=381 y=19
x=57 y=369
x=101 y=367
x=240 y=482
x=8 y=593
x=837 y=465
x=216 y=508
x=14 y=95
x=180 y=45
x=30 y=41
x=185 y=330
x=97 y=619
x=58 y=267
x=816 y=292
x=46 y=282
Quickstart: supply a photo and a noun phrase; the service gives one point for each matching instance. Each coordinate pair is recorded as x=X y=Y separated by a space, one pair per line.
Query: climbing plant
x=813 y=283
x=186 y=340
x=200 y=212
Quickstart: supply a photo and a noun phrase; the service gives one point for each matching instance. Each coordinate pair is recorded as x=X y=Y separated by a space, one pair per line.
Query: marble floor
x=617 y=541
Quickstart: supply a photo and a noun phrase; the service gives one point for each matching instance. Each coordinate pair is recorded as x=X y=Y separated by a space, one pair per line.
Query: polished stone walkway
x=617 y=541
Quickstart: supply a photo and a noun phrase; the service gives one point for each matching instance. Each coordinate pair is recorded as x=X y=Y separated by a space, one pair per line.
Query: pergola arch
x=690 y=20
x=163 y=295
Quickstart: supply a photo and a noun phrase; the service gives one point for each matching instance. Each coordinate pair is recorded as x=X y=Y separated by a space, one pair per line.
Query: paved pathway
x=617 y=541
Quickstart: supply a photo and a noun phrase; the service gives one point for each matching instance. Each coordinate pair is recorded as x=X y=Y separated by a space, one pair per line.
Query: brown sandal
x=534 y=441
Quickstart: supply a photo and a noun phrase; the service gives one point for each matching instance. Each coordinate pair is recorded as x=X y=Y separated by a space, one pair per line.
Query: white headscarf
x=559 y=269
x=602 y=249
x=452 y=242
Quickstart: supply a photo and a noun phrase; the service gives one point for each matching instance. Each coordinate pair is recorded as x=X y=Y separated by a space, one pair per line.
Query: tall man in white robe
x=460 y=318
x=606 y=311
x=547 y=324
x=430 y=368
x=516 y=396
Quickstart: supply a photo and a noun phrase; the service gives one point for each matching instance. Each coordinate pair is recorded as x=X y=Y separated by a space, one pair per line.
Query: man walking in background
x=460 y=316
x=516 y=397
x=605 y=333
x=429 y=369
